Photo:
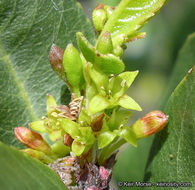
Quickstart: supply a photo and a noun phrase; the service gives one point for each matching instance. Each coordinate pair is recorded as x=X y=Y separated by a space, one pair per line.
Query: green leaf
x=184 y=63
x=19 y=171
x=129 y=17
x=127 y=134
x=70 y=127
x=97 y=104
x=128 y=103
x=108 y=63
x=28 y=29
x=105 y=138
x=172 y=153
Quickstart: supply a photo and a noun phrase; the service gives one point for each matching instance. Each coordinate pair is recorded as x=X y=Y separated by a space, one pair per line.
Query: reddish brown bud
x=56 y=59
x=68 y=140
x=31 y=139
x=97 y=123
x=150 y=124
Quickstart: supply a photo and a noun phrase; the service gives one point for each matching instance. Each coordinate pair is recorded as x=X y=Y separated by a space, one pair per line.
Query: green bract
x=108 y=63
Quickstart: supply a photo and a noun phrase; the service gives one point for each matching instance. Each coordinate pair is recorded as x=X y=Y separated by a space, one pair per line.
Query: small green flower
x=83 y=136
x=52 y=124
x=111 y=92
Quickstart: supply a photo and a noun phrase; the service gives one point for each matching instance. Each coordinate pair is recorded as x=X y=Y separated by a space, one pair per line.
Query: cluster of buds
x=95 y=123
x=100 y=16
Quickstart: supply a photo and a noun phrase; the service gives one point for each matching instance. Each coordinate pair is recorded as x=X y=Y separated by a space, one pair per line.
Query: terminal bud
x=32 y=139
x=150 y=124
x=105 y=45
x=99 y=17
x=55 y=58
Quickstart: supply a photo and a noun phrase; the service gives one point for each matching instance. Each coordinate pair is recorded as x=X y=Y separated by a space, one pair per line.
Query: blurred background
x=154 y=57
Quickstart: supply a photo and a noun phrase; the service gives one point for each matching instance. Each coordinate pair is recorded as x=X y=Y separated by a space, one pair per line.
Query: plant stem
x=107 y=152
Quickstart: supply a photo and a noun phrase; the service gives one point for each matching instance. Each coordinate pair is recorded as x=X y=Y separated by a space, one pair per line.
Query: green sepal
x=105 y=45
x=108 y=63
x=84 y=119
x=97 y=104
x=127 y=134
x=38 y=126
x=127 y=102
x=60 y=149
x=73 y=67
x=77 y=148
x=87 y=135
x=105 y=138
x=119 y=117
x=51 y=104
x=99 y=78
x=86 y=48
x=120 y=83
x=70 y=127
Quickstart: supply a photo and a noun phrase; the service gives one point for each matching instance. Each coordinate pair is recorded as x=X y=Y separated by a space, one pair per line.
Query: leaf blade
x=130 y=16
x=176 y=143
x=26 y=173
x=26 y=74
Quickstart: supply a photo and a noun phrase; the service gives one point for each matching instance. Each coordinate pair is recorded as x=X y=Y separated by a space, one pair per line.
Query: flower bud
x=109 y=10
x=99 y=17
x=150 y=124
x=104 y=44
x=118 y=51
x=38 y=155
x=73 y=67
x=32 y=139
x=97 y=123
x=55 y=58
x=68 y=140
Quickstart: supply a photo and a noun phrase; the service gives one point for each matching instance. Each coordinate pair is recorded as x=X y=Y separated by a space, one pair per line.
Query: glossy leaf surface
x=129 y=16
